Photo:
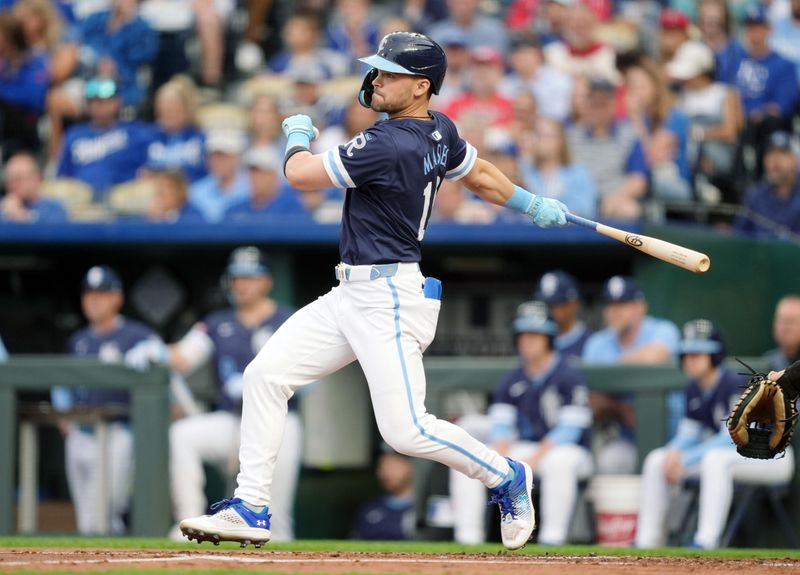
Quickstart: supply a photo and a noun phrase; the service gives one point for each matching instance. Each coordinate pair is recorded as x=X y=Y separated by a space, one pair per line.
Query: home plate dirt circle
x=87 y=560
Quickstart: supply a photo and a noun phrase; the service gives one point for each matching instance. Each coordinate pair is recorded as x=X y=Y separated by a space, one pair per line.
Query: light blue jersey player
x=384 y=311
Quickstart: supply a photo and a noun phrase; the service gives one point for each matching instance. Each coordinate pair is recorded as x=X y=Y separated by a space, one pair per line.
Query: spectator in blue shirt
x=631 y=336
x=22 y=202
x=3 y=352
x=767 y=83
x=226 y=183
x=786 y=36
x=389 y=517
x=772 y=205
x=553 y=174
x=464 y=16
x=716 y=31
x=104 y=151
x=179 y=143
x=267 y=196
x=115 y=43
x=24 y=79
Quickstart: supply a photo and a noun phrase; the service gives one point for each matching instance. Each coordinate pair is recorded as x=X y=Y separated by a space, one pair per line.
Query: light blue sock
x=254 y=508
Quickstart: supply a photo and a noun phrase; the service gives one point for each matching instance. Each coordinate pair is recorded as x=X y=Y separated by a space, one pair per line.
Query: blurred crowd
x=169 y=110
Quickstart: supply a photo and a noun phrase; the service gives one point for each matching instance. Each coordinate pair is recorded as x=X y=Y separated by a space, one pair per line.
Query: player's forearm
x=306 y=172
x=488 y=182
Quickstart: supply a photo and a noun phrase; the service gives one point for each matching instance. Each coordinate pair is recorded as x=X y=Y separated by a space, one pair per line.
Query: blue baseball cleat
x=517 y=516
x=231 y=521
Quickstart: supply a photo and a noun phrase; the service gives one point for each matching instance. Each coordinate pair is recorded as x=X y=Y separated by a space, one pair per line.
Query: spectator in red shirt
x=483 y=102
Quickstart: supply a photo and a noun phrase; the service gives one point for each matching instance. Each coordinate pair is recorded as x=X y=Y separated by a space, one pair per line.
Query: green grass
x=387 y=547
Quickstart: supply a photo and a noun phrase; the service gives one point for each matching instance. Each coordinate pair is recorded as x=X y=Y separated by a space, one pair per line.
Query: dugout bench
x=149 y=414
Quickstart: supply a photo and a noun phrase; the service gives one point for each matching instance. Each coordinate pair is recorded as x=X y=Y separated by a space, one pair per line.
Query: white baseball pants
x=559 y=471
x=386 y=324
x=82 y=453
x=718 y=470
x=214 y=438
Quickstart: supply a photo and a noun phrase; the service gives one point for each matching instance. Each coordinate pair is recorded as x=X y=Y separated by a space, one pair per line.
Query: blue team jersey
x=540 y=402
x=391 y=172
x=571 y=343
x=710 y=408
x=236 y=345
x=109 y=348
x=184 y=150
x=104 y=157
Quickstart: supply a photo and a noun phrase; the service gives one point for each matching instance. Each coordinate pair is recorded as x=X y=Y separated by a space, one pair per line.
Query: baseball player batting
x=384 y=311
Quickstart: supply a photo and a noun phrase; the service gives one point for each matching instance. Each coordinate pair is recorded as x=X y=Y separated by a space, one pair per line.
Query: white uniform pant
x=214 y=438
x=718 y=470
x=559 y=471
x=386 y=324
x=82 y=454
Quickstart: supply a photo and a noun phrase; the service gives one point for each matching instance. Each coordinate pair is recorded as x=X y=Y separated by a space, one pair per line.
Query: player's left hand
x=300 y=124
x=548 y=213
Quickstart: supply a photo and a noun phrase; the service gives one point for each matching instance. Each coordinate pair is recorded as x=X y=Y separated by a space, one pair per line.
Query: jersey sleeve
x=461 y=160
x=364 y=160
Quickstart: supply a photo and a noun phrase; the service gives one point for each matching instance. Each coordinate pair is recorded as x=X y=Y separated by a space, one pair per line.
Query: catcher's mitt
x=764 y=418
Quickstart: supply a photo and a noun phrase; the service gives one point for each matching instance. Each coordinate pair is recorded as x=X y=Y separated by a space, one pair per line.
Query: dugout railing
x=149 y=416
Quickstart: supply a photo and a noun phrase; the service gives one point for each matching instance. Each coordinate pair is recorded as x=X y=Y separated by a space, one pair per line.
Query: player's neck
x=538 y=365
x=709 y=380
x=417 y=111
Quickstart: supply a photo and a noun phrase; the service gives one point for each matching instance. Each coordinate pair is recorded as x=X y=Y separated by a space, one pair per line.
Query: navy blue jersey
x=109 y=348
x=710 y=408
x=235 y=345
x=572 y=342
x=385 y=519
x=391 y=173
x=540 y=402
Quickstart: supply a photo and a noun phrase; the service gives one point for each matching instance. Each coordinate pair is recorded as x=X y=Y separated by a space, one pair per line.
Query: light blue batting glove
x=548 y=213
x=545 y=212
x=300 y=126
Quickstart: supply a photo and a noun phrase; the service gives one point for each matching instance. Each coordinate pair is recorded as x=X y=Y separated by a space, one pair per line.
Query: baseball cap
x=700 y=336
x=756 y=14
x=226 y=141
x=619 y=289
x=500 y=141
x=247 y=261
x=262 y=158
x=780 y=141
x=673 y=20
x=692 y=59
x=100 y=89
x=533 y=317
x=101 y=278
x=557 y=287
x=487 y=55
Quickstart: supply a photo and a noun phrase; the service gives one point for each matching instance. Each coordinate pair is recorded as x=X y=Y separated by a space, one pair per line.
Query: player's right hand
x=299 y=124
x=548 y=213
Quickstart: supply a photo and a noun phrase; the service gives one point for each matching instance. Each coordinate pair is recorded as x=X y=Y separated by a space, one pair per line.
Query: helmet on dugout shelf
x=405 y=53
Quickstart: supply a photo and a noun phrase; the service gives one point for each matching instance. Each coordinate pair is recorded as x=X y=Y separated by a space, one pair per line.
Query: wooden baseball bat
x=666 y=251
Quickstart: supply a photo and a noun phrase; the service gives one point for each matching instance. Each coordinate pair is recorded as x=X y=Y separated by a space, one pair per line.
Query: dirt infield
x=87 y=560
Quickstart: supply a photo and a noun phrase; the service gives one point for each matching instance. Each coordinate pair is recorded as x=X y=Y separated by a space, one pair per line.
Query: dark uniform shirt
x=391 y=172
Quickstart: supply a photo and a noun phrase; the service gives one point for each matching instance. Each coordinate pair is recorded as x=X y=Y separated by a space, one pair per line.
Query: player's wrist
x=522 y=201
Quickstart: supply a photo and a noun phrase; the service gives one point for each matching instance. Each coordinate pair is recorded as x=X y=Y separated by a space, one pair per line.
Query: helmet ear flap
x=365 y=93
